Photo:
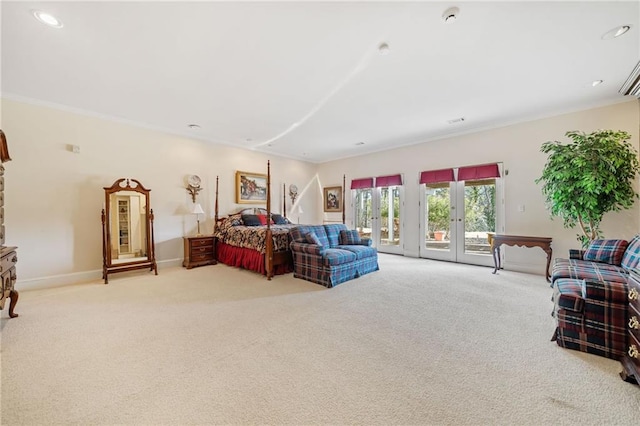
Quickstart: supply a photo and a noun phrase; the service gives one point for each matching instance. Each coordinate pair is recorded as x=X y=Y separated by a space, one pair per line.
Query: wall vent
x=632 y=85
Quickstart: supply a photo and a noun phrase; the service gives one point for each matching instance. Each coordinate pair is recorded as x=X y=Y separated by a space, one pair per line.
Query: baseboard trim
x=523 y=267
x=75 y=277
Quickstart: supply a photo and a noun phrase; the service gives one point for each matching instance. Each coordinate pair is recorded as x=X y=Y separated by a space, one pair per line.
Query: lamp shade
x=197 y=209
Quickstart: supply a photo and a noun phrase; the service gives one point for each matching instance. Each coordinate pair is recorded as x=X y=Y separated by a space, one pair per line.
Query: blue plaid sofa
x=331 y=254
x=590 y=296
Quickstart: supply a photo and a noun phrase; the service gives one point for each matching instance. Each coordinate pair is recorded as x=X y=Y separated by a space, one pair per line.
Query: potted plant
x=589 y=177
x=439 y=235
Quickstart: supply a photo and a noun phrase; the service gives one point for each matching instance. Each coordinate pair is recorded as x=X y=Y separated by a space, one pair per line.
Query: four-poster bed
x=261 y=248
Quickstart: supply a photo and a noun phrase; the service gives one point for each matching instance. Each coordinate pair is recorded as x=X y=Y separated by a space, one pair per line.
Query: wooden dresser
x=8 y=260
x=631 y=361
x=199 y=251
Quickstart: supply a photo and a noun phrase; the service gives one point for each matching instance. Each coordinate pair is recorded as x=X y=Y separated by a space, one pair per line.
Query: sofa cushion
x=631 y=256
x=297 y=233
x=606 y=251
x=333 y=233
x=589 y=271
x=349 y=236
x=360 y=251
x=334 y=256
x=586 y=264
x=312 y=238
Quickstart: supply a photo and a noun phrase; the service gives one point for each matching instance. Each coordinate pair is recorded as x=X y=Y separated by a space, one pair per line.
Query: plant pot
x=439 y=235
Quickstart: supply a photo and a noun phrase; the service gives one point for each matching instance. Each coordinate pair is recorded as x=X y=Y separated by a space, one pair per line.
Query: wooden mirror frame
x=108 y=267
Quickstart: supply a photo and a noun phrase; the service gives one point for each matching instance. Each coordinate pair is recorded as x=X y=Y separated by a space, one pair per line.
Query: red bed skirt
x=245 y=258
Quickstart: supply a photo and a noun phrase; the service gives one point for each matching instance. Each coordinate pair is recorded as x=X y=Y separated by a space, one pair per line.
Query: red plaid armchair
x=590 y=296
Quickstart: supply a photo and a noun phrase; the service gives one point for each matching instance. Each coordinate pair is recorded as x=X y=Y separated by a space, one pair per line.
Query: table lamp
x=197 y=210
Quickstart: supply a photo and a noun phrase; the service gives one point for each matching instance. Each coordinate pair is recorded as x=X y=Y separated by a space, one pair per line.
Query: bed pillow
x=279 y=219
x=312 y=238
x=263 y=219
x=606 y=251
x=225 y=224
x=349 y=237
x=235 y=219
x=250 y=220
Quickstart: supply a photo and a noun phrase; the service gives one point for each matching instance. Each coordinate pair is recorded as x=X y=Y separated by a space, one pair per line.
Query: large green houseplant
x=592 y=175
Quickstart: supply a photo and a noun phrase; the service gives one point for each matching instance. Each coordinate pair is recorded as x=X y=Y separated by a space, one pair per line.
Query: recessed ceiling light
x=456 y=120
x=359 y=143
x=616 y=32
x=595 y=83
x=193 y=126
x=383 y=49
x=47 y=18
x=450 y=15
x=249 y=140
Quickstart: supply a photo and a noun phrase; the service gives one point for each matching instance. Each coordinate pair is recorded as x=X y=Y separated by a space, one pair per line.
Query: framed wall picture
x=251 y=188
x=333 y=199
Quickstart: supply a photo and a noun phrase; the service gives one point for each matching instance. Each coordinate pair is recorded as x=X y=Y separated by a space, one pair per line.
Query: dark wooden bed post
x=284 y=200
x=215 y=217
x=344 y=190
x=268 y=258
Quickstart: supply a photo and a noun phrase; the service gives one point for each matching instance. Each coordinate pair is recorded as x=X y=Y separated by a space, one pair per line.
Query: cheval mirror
x=127 y=229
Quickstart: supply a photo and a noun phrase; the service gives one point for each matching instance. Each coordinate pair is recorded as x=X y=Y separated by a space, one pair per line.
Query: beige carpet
x=419 y=342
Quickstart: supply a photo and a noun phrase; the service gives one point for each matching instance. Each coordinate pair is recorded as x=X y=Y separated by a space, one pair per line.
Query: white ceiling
x=306 y=80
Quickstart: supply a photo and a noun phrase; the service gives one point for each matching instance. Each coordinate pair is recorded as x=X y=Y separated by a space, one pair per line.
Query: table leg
x=496 y=258
x=549 y=251
x=13 y=295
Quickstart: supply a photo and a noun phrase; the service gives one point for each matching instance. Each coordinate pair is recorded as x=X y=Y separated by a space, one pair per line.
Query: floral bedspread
x=231 y=231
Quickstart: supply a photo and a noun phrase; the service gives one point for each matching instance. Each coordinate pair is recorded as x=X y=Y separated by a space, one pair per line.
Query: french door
x=378 y=215
x=456 y=218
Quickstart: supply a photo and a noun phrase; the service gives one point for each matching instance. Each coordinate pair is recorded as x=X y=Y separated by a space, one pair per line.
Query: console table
x=496 y=240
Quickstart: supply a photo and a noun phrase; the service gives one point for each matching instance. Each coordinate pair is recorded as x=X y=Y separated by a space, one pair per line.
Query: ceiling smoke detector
x=450 y=15
x=383 y=49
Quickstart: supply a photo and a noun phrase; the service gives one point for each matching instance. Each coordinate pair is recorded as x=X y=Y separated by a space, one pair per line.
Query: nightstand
x=8 y=259
x=199 y=251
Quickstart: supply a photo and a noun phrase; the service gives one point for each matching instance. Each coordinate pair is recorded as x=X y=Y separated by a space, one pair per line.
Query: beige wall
x=53 y=196
x=518 y=147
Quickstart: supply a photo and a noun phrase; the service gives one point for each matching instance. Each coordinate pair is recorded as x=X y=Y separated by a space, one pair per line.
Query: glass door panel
x=456 y=218
x=479 y=201
x=437 y=221
x=362 y=207
x=378 y=216
x=389 y=229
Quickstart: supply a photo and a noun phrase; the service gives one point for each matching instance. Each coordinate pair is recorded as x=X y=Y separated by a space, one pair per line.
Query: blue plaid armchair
x=331 y=254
